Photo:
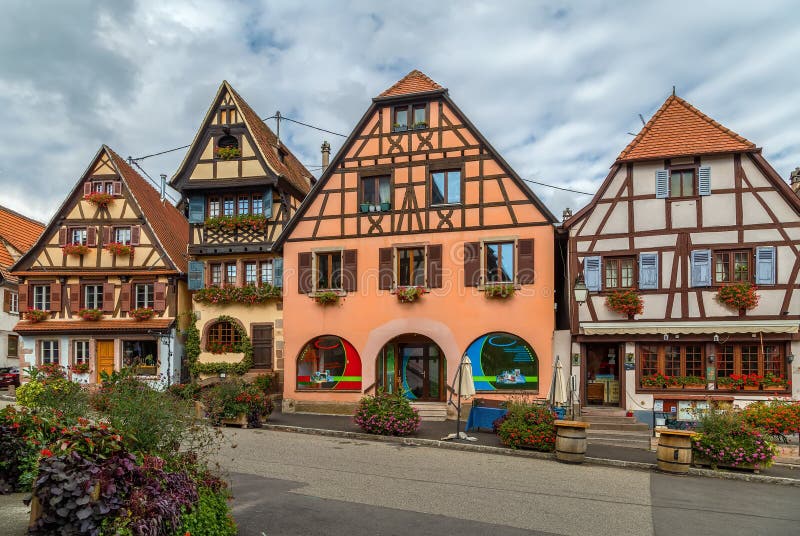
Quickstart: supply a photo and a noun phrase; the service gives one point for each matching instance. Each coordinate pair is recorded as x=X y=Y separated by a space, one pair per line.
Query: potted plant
x=397 y=127
x=364 y=207
x=727 y=439
x=142 y=313
x=76 y=249
x=409 y=294
x=774 y=382
x=501 y=291
x=328 y=297
x=420 y=124
x=654 y=381
x=79 y=368
x=91 y=314
x=99 y=199
x=385 y=207
x=236 y=402
x=673 y=382
x=119 y=249
x=728 y=383
x=626 y=302
x=752 y=382
x=693 y=382
x=228 y=153
x=37 y=315
x=739 y=297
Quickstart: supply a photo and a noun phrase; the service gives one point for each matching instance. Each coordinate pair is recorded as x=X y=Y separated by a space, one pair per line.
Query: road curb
x=435 y=443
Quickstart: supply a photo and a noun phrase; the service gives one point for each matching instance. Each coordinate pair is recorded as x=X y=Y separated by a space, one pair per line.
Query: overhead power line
x=557 y=187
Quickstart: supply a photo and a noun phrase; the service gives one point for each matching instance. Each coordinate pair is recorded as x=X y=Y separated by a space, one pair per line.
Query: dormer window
x=228 y=148
x=410 y=117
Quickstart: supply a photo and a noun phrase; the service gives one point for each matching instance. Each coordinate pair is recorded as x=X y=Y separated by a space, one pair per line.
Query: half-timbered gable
x=416 y=201
x=117 y=249
x=688 y=210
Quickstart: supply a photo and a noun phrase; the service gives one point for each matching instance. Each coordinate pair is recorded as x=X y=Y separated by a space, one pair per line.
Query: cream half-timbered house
x=688 y=209
x=107 y=279
x=240 y=185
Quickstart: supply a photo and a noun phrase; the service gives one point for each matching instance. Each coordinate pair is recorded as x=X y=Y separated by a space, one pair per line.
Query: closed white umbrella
x=466 y=386
x=559 y=388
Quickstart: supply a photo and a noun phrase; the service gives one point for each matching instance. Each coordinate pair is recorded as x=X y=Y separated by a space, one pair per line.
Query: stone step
x=609 y=420
x=610 y=434
x=431 y=411
x=604 y=412
x=623 y=427
x=621 y=442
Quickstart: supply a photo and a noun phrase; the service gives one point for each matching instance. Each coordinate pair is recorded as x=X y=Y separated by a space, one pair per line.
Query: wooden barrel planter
x=571 y=441
x=674 y=452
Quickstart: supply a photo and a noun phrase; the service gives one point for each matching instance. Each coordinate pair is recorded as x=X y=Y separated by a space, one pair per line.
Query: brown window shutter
x=6 y=301
x=62 y=236
x=304 y=273
x=55 y=297
x=91 y=237
x=23 y=297
x=136 y=231
x=525 y=272
x=87 y=187
x=350 y=270
x=74 y=299
x=385 y=269
x=435 y=266
x=108 y=297
x=159 y=296
x=472 y=264
x=125 y=297
x=106 y=235
x=117 y=187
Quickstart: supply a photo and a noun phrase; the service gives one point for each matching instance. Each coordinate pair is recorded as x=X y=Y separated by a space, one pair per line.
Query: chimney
x=326 y=155
x=794 y=180
x=567 y=214
x=163 y=187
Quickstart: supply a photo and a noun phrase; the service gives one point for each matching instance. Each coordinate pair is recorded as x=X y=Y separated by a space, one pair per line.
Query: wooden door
x=105 y=357
x=262 y=345
x=422 y=371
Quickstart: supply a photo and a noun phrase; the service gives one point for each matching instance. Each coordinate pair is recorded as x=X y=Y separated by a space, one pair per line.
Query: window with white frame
x=266 y=273
x=144 y=295
x=49 y=351
x=93 y=296
x=13 y=302
x=41 y=297
x=122 y=235
x=77 y=235
x=80 y=353
x=250 y=273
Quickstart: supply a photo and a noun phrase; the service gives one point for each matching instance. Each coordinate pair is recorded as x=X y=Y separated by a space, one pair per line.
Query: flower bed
x=409 y=294
x=99 y=199
x=90 y=314
x=387 y=414
x=726 y=438
x=142 y=313
x=739 y=297
x=37 y=315
x=251 y=222
x=499 y=291
x=626 y=302
x=776 y=418
x=119 y=249
x=527 y=426
x=248 y=295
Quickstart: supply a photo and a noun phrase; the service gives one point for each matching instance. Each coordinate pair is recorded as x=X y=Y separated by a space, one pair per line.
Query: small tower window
x=228 y=147
x=228 y=141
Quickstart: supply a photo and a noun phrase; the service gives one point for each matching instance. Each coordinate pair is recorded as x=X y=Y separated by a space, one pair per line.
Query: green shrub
x=726 y=438
x=55 y=394
x=28 y=394
x=234 y=397
x=265 y=382
x=527 y=426
x=387 y=414
x=777 y=418
x=210 y=517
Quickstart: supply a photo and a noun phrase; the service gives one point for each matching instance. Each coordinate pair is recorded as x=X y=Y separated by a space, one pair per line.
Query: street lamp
x=580 y=291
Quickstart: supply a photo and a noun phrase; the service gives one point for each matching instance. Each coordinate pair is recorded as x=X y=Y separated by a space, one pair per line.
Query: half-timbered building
x=102 y=287
x=418 y=245
x=240 y=185
x=689 y=214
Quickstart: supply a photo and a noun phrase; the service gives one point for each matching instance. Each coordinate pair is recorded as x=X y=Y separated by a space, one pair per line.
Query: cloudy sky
x=555 y=86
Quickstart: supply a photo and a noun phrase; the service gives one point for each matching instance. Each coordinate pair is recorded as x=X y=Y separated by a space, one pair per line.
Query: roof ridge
x=423 y=83
x=23 y=216
x=712 y=121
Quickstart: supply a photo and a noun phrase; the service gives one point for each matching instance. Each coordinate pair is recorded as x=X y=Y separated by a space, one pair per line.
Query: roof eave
x=410 y=96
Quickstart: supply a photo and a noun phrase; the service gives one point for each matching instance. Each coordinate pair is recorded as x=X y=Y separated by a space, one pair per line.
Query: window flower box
x=91 y=314
x=142 y=313
x=228 y=153
x=419 y=125
x=37 y=315
x=654 y=381
x=729 y=383
x=326 y=298
x=673 y=382
x=75 y=249
x=219 y=348
x=247 y=295
x=249 y=222
x=739 y=297
x=99 y=199
x=772 y=382
x=79 y=368
x=500 y=291
x=693 y=382
x=409 y=294
x=119 y=249
x=397 y=127
x=626 y=302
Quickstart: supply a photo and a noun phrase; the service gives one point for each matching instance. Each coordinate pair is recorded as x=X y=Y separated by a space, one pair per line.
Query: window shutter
x=591 y=273
x=701 y=268
x=55 y=297
x=106 y=235
x=62 y=236
x=472 y=264
x=6 y=301
x=159 y=296
x=268 y=203
x=87 y=187
x=74 y=299
x=765 y=265
x=197 y=208
x=350 y=270
x=304 y=273
x=435 y=266
x=662 y=183
x=196 y=277
x=108 y=297
x=22 y=301
x=704 y=180
x=117 y=187
x=385 y=269
x=91 y=237
x=136 y=231
x=648 y=271
x=125 y=297
x=277 y=273
x=525 y=272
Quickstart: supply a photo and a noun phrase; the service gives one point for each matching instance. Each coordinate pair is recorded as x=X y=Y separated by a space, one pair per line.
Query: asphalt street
x=293 y=484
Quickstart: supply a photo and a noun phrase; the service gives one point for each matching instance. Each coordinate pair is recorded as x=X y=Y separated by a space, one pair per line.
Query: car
x=9 y=376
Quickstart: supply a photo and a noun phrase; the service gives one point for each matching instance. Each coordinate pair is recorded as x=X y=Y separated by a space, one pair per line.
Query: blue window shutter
x=268 y=203
x=591 y=273
x=197 y=208
x=196 y=275
x=662 y=183
x=648 y=270
x=704 y=181
x=700 y=268
x=765 y=265
x=277 y=274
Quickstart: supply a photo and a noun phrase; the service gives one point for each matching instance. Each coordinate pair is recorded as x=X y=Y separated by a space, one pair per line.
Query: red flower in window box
x=37 y=315
x=99 y=199
x=91 y=314
x=75 y=249
x=739 y=297
x=219 y=348
x=119 y=249
x=79 y=368
x=143 y=313
x=626 y=302
x=501 y=291
x=409 y=294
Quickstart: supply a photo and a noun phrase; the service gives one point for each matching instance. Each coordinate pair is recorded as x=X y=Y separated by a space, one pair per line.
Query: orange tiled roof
x=413 y=82
x=291 y=168
x=169 y=225
x=19 y=231
x=680 y=129
x=125 y=324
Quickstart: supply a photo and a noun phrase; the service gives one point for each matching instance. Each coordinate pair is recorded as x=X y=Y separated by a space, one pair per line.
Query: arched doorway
x=413 y=365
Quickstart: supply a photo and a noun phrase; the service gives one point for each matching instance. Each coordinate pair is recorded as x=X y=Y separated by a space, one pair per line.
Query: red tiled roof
x=291 y=168
x=19 y=231
x=8 y=277
x=413 y=82
x=26 y=326
x=680 y=129
x=168 y=224
x=5 y=257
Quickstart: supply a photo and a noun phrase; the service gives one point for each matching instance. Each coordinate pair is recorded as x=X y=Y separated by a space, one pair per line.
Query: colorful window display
x=328 y=363
x=502 y=361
